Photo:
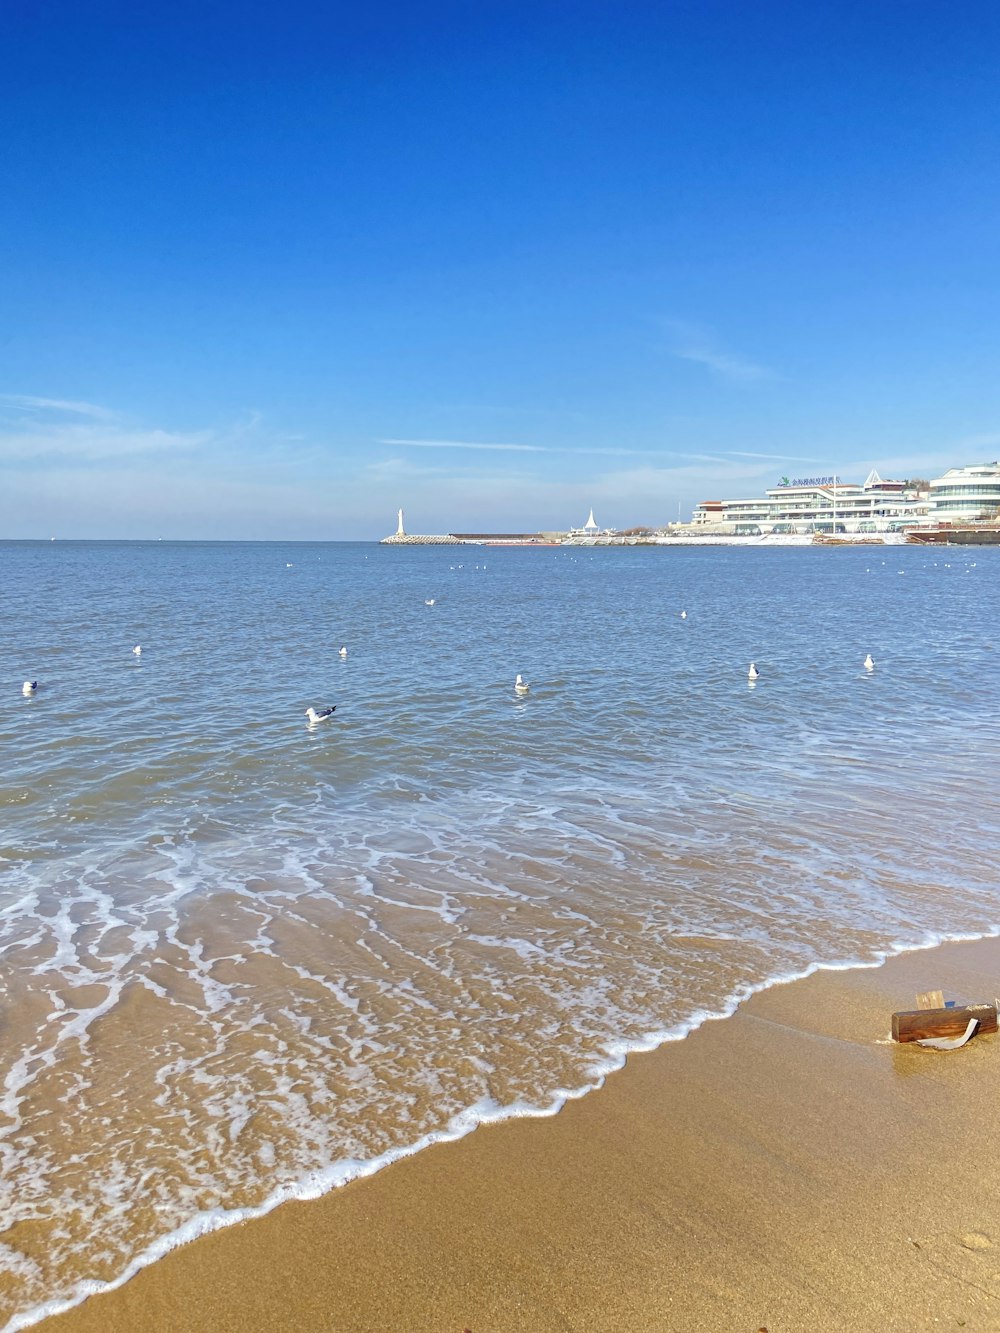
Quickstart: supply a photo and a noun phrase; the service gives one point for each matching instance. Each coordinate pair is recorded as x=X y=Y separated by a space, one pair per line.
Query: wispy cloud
x=37 y=431
x=24 y=402
x=695 y=342
x=91 y=443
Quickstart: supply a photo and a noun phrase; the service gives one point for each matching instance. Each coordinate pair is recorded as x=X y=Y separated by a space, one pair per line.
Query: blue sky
x=272 y=271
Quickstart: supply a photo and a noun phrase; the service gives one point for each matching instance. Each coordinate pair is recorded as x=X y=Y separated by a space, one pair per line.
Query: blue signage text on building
x=809 y=481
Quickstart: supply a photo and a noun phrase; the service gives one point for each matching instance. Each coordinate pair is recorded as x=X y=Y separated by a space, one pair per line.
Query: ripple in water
x=243 y=959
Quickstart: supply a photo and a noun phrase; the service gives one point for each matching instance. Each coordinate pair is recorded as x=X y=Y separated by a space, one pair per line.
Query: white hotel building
x=965 y=494
x=817 y=504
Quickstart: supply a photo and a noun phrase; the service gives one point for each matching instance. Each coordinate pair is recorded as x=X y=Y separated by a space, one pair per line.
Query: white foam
x=390 y=906
x=484 y=1111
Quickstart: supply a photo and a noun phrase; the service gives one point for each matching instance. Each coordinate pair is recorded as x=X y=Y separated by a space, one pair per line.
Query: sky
x=272 y=271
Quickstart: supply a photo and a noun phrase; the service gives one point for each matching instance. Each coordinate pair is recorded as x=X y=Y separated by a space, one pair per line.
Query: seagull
x=753 y=673
x=343 y=652
x=319 y=716
x=137 y=650
x=521 y=686
x=429 y=601
x=869 y=663
x=29 y=688
x=684 y=615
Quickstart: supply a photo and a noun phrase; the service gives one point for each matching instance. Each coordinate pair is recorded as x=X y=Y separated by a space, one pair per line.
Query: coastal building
x=965 y=494
x=590 y=532
x=816 y=505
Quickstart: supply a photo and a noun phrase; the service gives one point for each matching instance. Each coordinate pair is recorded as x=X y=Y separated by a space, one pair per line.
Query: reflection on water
x=237 y=950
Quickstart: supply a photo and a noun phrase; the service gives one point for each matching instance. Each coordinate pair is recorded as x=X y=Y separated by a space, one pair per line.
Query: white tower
x=399 y=529
x=590 y=525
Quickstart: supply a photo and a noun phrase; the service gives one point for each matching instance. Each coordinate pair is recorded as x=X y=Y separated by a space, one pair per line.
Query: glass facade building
x=965 y=494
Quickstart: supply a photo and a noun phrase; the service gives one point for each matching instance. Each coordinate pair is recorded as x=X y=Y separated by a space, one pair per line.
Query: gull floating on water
x=137 y=650
x=343 y=652
x=869 y=663
x=521 y=686
x=753 y=673
x=684 y=615
x=29 y=687
x=429 y=601
x=320 y=715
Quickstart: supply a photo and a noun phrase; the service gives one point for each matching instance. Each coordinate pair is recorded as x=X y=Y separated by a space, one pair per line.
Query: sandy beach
x=786 y=1169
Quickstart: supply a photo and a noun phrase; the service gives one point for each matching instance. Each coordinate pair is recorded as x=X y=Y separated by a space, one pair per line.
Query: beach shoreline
x=787 y=1168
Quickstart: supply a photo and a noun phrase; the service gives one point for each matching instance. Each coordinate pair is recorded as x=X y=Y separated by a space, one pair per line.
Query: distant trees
x=917 y=484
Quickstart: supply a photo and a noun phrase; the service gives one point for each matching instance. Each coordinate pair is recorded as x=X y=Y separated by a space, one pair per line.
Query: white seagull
x=320 y=715
x=684 y=615
x=753 y=673
x=521 y=686
x=137 y=650
x=429 y=601
x=29 y=687
x=869 y=663
x=343 y=652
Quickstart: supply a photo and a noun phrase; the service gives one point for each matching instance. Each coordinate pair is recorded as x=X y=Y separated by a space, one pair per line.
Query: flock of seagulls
x=521 y=686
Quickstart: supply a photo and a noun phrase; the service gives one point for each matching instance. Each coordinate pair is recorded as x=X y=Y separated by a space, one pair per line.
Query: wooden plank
x=915 y=1024
x=930 y=999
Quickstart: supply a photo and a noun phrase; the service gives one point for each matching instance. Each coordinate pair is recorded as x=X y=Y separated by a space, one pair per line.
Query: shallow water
x=242 y=957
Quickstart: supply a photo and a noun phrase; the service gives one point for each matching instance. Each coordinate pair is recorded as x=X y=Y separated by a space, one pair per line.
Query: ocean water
x=244 y=959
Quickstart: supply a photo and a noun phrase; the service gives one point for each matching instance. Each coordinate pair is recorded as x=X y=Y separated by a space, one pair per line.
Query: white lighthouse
x=399 y=527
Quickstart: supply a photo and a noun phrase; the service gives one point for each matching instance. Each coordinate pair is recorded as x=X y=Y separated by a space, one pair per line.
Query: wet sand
x=787 y=1169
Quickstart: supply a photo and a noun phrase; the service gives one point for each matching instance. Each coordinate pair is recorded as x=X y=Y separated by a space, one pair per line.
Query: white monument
x=590 y=525
x=399 y=529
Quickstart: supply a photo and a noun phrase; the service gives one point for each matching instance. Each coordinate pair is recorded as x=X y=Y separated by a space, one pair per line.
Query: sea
x=245 y=959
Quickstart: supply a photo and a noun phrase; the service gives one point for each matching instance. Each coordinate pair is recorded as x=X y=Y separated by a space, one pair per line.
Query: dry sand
x=787 y=1169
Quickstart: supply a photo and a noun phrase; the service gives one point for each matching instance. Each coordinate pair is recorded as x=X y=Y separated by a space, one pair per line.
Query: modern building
x=817 y=504
x=590 y=533
x=965 y=494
